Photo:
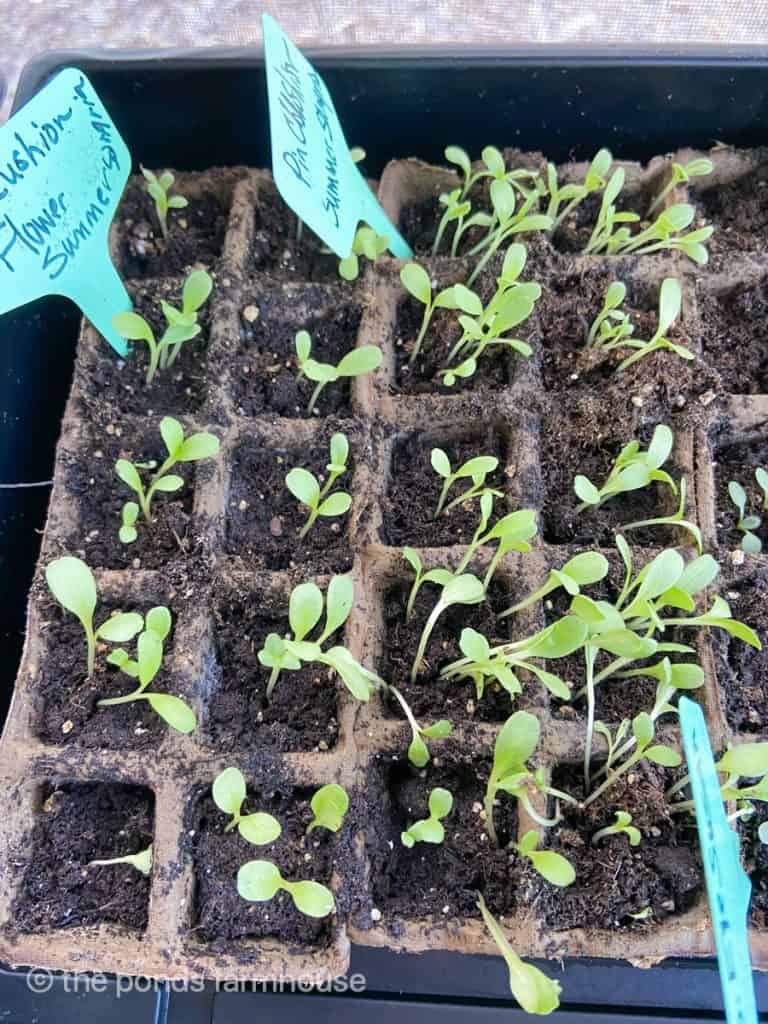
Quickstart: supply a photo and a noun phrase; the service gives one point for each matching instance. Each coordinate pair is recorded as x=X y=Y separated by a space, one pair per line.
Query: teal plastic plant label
x=728 y=886
x=63 y=167
x=311 y=164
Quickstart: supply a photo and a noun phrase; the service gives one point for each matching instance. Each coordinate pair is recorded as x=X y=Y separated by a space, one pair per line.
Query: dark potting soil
x=739 y=212
x=430 y=697
x=438 y=881
x=573 y=443
x=68 y=712
x=195 y=234
x=414 y=489
x=266 y=369
x=738 y=462
x=283 y=250
x=755 y=855
x=733 y=336
x=79 y=823
x=99 y=494
x=264 y=518
x=742 y=671
x=221 y=914
x=614 y=879
x=303 y=711
x=115 y=385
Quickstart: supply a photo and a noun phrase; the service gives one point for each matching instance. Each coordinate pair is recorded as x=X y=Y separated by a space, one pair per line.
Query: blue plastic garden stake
x=63 y=167
x=728 y=887
x=311 y=164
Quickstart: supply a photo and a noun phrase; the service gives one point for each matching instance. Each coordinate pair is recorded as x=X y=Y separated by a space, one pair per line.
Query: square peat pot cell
x=437 y=884
x=734 y=334
x=75 y=824
x=265 y=522
x=741 y=462
x=302 y=711
x=265 y=375
x=742 y=671
x=221 y=918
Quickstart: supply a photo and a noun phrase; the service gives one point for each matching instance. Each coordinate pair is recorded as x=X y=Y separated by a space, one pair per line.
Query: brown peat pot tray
x=78 y=777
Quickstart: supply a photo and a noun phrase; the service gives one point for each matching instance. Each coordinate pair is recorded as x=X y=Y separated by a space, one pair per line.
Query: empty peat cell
x=742 y=671
x=431 y=697
x=98 y=496
x=112 y=384
x=659 y=878
x=739 y=211
x=734 y=336
x=569 y=447
x=266 y=374
x=737 y=462
x=66 y=699
x=195 y=233
x=76 y=824
x=220 y=914
x=571 y=300
x=575 y=231
x=302 y=712
x=414 y=488
x=438 y=881
x=264 y=519
x=286 y=248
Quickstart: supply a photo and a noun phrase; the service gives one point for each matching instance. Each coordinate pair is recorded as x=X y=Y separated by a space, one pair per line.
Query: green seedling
x=305 y=487
x=611 y=327
x=418 y=751
x=72 y=584
x=417 y=283
x=744 y=761
x=550 y=865
x=141 y=861
x=515 y=744
x=681 y=174
x=476 y=469
x=632 y=470
x=463 y=589
x=564 y=200
x=360 y=360
x=483 y=664
x=761 y=477
x=229 y=794
x=430 y=830
x=670 y=302
x=674 y=519
x=181 y=326
x=180 y=449
x=645 y=750
x=622 y=826
x=511 y=533
x=260 y=880
x=158 y=188
x=534 y=991
x=365 y=243
x=173 y=710
x=746 y=524
x=492 y=166
x=511 y=305
x=438 y=576
x=305 y=609
x=580 y=571
x=329 y=805
x=512 y=220
x=457 y=210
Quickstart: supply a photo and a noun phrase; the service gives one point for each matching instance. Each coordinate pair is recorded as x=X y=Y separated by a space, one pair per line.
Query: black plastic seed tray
x=404 y=103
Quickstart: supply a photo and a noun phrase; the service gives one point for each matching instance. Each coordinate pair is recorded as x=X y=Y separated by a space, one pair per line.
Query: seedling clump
x=360 y=360
x=365 y=243
x=748 y=523
x=681 y=174
x=141 y=861
x=260 y=880
x=180 y=449
x=72 y=584
x=305 y=486
x=182 y=324
x=329 y=806
x=564 y=200
x=622 y=826
x=229 y=794
x=158 y=188
x=149 y=658
x=430 y=830
x=475 y=469
x=611 y=327
x=417 y=283
x=631 y=470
